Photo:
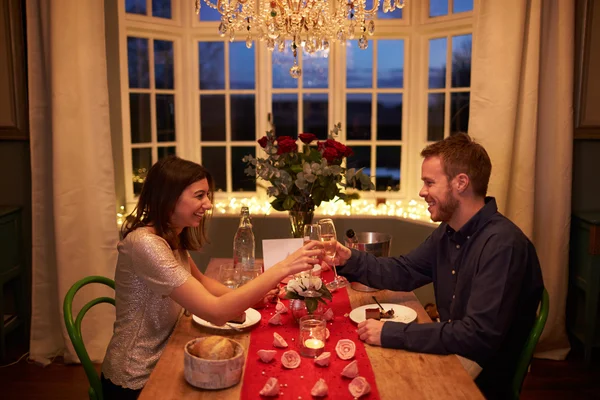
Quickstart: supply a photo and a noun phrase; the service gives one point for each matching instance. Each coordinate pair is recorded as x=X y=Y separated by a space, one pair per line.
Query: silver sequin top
x=147 y=271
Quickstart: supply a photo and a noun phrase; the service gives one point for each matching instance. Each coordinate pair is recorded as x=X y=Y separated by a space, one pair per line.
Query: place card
x=275 y=250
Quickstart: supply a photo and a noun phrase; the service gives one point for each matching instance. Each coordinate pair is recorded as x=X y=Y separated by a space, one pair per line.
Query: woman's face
x=191 y=206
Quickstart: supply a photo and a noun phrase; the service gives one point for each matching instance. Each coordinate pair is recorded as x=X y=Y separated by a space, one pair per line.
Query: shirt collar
x=477 y=221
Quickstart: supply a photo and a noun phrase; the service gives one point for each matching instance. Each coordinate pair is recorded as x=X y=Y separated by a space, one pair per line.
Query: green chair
x=74 y=329
x=527 y=353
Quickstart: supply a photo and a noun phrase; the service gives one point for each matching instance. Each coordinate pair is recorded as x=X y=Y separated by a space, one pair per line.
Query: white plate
x=401 y=313
x=252 y=318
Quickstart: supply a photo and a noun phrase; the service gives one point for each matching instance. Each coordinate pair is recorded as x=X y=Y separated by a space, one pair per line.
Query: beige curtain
x=521 y=111
x=73 y=194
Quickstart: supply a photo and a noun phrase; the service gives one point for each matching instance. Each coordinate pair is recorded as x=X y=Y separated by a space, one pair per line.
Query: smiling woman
x=156 y=278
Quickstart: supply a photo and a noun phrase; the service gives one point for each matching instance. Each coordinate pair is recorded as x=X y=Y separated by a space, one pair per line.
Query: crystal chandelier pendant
x=295 y=71
x=249 y=42
x=222 y=29
x=363 y=43
x=371 y=28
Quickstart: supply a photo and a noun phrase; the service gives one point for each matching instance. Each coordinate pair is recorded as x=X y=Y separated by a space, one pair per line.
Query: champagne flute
x=329 y=239
x=312 y=232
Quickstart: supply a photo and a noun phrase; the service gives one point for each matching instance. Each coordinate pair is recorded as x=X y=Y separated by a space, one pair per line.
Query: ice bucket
x=375 y=243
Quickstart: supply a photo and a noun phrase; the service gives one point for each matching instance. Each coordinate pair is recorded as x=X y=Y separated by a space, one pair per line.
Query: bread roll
x=213 y=348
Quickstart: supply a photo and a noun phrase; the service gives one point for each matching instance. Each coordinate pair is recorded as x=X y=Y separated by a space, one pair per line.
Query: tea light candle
x=314 y=344
x=311 y=342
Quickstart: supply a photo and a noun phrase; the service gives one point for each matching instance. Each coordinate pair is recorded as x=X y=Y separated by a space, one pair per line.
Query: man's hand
x=369 y=331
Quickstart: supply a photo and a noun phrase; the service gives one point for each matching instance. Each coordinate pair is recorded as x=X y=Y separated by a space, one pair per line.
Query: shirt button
x=458 y=246
x=453 y=272
x=449 y=320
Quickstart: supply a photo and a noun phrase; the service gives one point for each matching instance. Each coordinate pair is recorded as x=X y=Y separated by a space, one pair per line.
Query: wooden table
x=398 y=373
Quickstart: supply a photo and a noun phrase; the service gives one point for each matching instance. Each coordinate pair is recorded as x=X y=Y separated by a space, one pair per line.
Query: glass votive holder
x=312 y=335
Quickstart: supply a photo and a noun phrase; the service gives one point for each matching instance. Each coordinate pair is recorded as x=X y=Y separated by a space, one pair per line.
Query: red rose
x=330 y=154
x=338 y=146
x=320 y=146
x=263 y=141
x=286 y=144
x=306 y=138
x=348 y=152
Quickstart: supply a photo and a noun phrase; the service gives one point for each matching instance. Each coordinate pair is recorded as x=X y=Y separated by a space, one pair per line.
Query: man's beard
x=447 y=207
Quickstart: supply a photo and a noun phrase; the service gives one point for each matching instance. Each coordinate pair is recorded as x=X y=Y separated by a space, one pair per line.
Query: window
x=187 y=90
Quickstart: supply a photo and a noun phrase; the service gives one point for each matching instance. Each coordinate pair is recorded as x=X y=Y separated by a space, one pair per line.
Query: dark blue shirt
x=487 y=282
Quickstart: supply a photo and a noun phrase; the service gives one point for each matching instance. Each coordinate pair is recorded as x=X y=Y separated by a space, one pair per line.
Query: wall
x=15 y=168
x=586 y=98
x=406 y=236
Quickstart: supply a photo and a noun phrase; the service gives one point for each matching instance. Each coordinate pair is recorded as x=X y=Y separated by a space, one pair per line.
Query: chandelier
x=310 y=24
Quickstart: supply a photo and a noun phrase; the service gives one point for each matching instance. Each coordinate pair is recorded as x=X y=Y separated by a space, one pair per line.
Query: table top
x=418 y=375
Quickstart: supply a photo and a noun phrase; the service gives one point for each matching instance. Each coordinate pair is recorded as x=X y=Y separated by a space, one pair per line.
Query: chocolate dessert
x=372 y=313
x=240 y=319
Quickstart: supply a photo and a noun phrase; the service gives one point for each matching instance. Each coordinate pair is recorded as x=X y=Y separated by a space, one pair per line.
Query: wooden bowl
x=213 y=374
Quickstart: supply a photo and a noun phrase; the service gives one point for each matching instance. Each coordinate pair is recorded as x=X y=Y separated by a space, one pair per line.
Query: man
x=485 y=272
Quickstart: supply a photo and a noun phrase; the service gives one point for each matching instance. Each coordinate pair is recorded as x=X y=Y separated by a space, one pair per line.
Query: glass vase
x=299 y=310
x=297 y=221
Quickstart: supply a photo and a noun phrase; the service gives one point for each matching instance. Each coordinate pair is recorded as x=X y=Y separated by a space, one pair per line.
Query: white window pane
x=214 y=160
x=435 y=116
x=285 y=114
x=241 y=182
x=282 y=62
x=211 y=59
x=437 y=63
x=461 y=61
x=359 y=66
x=161 y=8
x=358 y=116
x=387 y=171
x=139 y=117
x=438 y=8
x=163 y=64
x=136 y=7
x=212 y=117
x=459 y=112
x=137 y=62
x=165 y=117
x=243 y=114
x=241 y=66
x=462 y=6
x=390 y=63
x=315 y=119
x=389 y=116
x=141 y=161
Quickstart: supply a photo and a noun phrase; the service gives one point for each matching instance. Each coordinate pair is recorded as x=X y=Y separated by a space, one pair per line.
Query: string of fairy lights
x=415 y=210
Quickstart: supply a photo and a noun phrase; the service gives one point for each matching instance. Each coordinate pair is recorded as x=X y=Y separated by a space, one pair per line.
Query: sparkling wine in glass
x=312 y=232
x=329 y=240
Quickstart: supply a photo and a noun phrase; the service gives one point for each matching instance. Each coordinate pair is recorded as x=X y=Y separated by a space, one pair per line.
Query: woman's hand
x=302 y=259
x=270 y=297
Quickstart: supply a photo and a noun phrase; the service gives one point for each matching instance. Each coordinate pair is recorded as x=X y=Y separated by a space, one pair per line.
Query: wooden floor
x=547 y=380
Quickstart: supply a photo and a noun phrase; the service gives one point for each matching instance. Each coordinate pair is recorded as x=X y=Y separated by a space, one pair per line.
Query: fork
x=235 y=328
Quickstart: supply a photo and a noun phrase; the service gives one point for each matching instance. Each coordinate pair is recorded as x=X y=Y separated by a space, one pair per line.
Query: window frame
x=185 y=30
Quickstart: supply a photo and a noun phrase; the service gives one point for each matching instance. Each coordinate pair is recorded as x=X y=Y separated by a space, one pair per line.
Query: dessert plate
x=252 y=318
x=401 y=313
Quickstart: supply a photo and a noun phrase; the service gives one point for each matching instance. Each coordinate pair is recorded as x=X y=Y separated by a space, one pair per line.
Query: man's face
x=437 y=191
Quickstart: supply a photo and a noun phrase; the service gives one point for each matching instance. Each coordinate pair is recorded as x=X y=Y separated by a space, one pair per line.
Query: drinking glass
x=246 y=275
x=329 y=239
x=229 y=275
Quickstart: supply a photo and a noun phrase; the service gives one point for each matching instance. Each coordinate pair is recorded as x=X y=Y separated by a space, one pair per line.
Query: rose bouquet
x=303 y=178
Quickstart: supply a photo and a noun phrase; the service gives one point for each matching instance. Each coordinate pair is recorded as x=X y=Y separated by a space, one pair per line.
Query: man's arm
x=490 y=311
x=403 y=273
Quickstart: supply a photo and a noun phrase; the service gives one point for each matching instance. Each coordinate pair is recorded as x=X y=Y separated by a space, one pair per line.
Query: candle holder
x=312 y=335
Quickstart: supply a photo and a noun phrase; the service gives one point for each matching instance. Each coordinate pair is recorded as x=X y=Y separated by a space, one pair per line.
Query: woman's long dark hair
x=165 y=182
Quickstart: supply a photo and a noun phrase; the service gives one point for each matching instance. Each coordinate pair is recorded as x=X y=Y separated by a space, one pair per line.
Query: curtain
x=523 y=117
x=73 y=195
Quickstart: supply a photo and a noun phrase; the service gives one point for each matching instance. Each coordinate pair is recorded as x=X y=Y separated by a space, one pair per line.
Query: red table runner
x=297 y=383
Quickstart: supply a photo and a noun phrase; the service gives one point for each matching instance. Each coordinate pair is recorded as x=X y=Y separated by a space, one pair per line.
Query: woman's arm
x=197 y=298
x=213 y=286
